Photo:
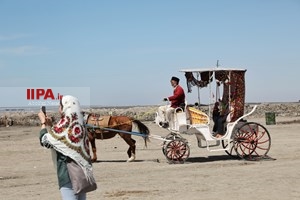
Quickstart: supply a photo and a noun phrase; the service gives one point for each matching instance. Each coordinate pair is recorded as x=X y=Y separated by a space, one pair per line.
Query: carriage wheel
x=232 y=151
x=251 y=140
x=177 y=150
x=170 y=136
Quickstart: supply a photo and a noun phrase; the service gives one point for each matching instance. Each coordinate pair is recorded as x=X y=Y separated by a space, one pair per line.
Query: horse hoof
x=94 y=160
x=131 y=159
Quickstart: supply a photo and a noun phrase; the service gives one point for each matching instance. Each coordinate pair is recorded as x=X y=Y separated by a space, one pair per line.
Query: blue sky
x=126 y=51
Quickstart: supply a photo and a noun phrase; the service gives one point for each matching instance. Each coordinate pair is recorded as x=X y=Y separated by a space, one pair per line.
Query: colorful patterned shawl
x=68 y=136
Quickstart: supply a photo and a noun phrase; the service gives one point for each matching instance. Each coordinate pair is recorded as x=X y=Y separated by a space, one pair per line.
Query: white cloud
x=24 y=50
x=12 y=37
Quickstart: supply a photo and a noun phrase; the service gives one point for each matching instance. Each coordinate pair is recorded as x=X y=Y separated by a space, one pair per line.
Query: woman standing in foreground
x=67 y=141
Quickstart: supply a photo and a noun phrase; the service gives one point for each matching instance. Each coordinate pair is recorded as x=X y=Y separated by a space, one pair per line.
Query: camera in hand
x=44 y=109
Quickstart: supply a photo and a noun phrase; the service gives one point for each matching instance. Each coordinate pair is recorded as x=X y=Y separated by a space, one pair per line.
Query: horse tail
x=142 y=129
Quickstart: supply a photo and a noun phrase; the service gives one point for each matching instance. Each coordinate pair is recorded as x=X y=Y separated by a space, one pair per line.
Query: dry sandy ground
x=27 y=173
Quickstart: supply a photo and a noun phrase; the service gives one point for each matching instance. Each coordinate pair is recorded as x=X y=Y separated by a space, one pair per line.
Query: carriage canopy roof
x=213 y=69
x=232 y=80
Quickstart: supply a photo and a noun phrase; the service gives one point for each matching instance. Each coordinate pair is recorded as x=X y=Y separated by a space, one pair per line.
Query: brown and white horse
x=96 y=123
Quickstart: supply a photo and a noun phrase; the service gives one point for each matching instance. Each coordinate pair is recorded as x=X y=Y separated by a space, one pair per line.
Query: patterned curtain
x=237 y=90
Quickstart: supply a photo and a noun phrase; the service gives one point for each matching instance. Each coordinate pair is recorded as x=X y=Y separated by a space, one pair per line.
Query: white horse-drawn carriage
x=241 y=139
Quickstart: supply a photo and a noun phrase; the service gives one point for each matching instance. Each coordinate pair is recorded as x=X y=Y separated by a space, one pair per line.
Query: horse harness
x=98 y=121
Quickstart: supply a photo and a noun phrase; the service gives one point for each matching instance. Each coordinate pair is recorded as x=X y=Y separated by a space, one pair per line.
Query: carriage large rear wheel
x=177 y=150
x=251 y=141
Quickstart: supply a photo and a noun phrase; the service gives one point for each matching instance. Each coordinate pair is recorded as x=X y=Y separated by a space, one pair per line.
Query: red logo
x=42 y=94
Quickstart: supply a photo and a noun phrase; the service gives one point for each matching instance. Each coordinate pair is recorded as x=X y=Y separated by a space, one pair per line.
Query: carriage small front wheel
x=170 y=136
x=177 y=150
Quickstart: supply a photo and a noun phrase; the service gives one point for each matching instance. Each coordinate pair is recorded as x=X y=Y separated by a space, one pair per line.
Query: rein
x=119 y=131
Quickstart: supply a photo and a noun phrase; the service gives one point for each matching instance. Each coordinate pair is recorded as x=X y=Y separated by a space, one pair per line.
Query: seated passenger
x=216 y=115
x=220 y=118
x=178 y=99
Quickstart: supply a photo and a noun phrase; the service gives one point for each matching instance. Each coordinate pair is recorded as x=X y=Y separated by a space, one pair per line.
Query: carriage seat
x=183 y=106
x=179 y=119
x=197 y=116
x=183 y=117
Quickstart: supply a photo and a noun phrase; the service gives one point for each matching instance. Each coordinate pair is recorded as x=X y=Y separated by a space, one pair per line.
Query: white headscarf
x=68 y=136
